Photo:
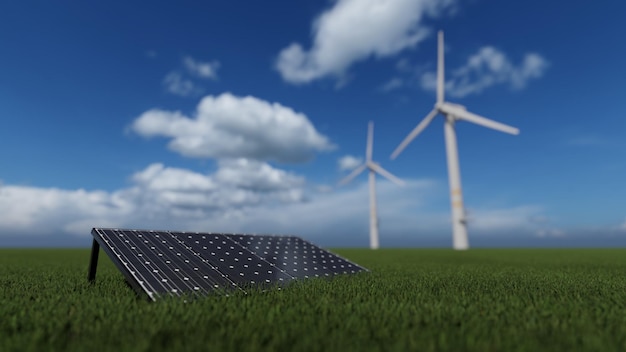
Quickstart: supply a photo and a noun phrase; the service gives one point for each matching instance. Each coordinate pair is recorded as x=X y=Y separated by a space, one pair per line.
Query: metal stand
x=93 y=263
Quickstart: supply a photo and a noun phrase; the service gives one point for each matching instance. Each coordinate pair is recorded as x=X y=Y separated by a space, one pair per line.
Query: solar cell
x=157 y=263
x=238 y=264
x=295 y=256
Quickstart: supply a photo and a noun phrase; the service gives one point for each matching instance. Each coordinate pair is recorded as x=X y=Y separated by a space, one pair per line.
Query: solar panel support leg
x=93 y=263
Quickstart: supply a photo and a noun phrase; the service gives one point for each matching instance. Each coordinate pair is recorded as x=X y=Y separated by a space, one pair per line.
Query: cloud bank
x=159 y=196
x=252 y=197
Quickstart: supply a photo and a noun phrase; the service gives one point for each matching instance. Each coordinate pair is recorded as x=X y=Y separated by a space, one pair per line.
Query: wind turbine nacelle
x=458 y=106
x=450 y=108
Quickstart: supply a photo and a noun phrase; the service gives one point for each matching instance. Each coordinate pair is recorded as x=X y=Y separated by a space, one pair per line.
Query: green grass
x=426 y=300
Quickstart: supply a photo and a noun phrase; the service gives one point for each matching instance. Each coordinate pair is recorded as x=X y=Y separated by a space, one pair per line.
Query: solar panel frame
x=160 y=263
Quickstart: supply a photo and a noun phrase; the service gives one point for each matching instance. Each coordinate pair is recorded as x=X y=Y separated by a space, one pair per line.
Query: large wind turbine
x=452 y=113
x=374 y=168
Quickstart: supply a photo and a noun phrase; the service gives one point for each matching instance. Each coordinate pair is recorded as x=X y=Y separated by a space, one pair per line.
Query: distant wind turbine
x=452 y=113
x=374 y=168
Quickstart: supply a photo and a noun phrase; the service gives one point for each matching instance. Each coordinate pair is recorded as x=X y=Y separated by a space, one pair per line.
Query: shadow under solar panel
x=157 y=263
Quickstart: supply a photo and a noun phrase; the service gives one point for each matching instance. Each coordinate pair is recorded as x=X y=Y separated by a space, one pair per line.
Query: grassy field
x=426 y=300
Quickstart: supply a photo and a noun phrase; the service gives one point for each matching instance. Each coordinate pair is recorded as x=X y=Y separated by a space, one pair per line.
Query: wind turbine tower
x=373 y=168
x=452 y=113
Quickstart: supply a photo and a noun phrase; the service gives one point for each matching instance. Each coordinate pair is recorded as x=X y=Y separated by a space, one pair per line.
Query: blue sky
x=241 y=116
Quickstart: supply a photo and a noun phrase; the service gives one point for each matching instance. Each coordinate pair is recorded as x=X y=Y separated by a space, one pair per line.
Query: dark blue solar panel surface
x=295 y=256
x=159 y=263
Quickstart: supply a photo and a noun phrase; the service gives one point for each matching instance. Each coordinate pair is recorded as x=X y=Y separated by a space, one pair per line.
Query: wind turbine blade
x=417 y=130
x=440 y=68
x=353 y=174
x=485 y=122
x=370 y=142
x=378 y=169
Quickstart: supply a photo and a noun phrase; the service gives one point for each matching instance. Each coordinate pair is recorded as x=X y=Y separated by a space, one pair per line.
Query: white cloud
x=160 y=197
x=354 y=30
x=392 y=84
x=250 y=174
x=588 y=141
x=349 y=162
x=176 y=84
x=236 y=183
x=403 y=65
x=232 y=200
x=539 y=219
x=528 y=218
x=206 y=70
x=342 y=216
x=323 y=189
x=227 y=126
x=550 y=233
x=43 y=211
x=487 y=68
x=496 y=220
x=158 y=178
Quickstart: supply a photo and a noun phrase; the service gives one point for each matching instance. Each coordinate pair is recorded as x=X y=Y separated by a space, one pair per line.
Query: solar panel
x=162 y=263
